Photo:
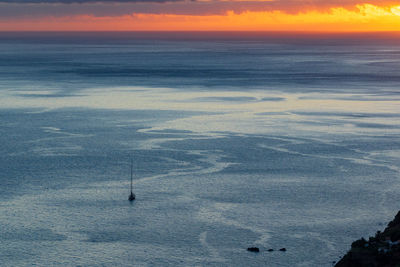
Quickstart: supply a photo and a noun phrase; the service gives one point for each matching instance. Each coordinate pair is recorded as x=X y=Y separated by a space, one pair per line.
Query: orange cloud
x=364 y=17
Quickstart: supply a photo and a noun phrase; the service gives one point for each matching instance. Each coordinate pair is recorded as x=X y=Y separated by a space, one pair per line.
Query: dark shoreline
x=382 y=250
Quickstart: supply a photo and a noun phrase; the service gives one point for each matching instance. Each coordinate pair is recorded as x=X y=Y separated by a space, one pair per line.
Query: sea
x=268 y=140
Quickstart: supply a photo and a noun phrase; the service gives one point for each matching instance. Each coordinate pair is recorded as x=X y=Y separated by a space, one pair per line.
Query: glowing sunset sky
x=189 y=15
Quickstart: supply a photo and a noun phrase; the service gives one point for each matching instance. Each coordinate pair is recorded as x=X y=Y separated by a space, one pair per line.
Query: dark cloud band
x=244 y=2
x=85 y=1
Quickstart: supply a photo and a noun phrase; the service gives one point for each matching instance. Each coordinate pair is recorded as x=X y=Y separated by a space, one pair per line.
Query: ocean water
x=266 y=140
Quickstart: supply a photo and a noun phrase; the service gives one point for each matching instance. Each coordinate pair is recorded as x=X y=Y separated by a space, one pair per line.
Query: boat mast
x=132 y=195
x=131 y=176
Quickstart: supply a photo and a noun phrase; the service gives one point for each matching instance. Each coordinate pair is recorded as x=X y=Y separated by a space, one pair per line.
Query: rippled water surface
x=265 y=141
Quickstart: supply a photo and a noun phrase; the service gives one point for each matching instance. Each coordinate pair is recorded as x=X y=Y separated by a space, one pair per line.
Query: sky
x=200 y=15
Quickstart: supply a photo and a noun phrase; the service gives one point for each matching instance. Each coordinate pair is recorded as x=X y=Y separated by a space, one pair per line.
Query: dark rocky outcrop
x=253 y=249
x=382 y=250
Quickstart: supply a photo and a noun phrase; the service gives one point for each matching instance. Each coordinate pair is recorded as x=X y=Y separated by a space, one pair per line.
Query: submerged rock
x=253 y=249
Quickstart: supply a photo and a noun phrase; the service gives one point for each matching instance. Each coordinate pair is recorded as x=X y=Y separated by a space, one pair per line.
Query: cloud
x=85 y=1
x=364 y=18
x=202 y=14
x=286 y=5
x=60 y=8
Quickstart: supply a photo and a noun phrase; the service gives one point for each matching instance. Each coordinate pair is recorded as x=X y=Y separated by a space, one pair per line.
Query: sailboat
x=132 y=195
